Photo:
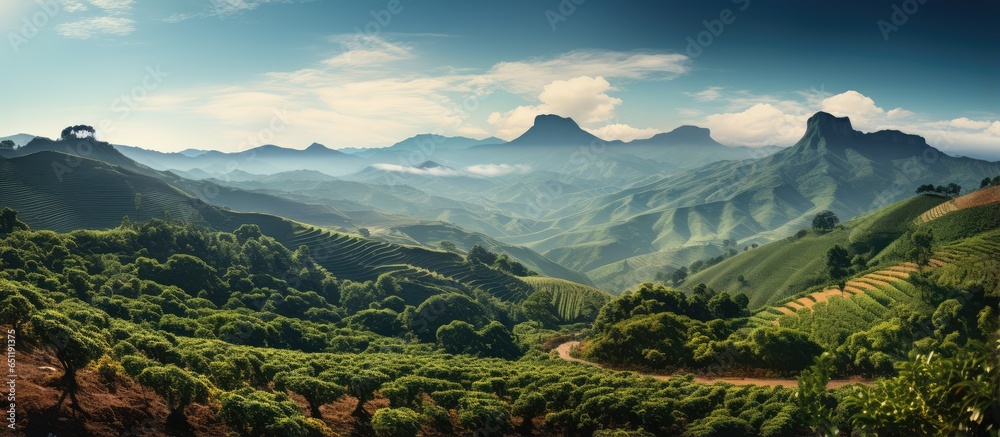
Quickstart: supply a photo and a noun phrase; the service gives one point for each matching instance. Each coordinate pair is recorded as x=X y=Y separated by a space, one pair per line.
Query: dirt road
x=565 y=349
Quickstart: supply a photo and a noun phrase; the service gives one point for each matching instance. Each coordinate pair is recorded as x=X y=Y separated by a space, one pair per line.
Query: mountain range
x=566 y=202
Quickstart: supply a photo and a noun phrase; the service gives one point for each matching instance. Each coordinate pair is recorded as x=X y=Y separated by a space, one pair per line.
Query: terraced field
x=784 y=268
x=889 y=285
x=358 y=259
x=884 y=286
x=981 y=197
x=574 y=301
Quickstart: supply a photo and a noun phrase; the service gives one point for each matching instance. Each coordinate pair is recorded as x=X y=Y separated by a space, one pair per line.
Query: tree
x=477 y=254
x=953 y=190
x=178 y=387
x=9 y=221
x=74 y=347
x=316 y=391
x=679 y=276
x=16 y=309
x=253 y=412
x=450 y=247
x=538 y=307
x=921 y=247
x=926 y=188
x=364 y=232
x=396 y=422
x=459 y=337
x=361 y=384
x=985 y=183
x=7 y=144
x=825 y=221
x=529 y=406
x=816 y=405
x=838 y=262
x=78 y=131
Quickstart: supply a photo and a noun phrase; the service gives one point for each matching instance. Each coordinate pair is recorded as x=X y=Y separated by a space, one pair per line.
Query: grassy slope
x=785 y=267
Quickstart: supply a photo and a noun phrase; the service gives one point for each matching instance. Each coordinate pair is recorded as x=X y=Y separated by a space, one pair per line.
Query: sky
x=235 y=74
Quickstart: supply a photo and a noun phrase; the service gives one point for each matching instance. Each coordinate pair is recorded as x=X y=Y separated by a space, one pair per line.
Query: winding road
x=567 y=347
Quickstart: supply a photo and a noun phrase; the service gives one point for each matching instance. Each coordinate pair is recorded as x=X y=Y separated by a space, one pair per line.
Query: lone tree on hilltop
x=825 y=221
x=78 y=131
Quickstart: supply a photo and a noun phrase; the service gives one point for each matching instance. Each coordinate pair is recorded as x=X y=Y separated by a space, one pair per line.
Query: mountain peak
x=552 y=121
x=553 y=130
x=826 y=124
x=685 y=135
x=829 y=134
x=316 y=147
x=428 y=164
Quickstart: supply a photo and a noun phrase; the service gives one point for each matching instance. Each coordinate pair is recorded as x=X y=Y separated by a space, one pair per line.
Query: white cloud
x=760 y=125
x=113 y=5
x=495 y=170
x=96 y=27
x=994 y=129
x=367 y=51
x=852 y=104
x=622 y=132
x=432 y=171
x=584 y=99
x=899 y=113
x=966 y=123
x=527 y=77
x=73 y=6
x=708 y=94
x=226 y=9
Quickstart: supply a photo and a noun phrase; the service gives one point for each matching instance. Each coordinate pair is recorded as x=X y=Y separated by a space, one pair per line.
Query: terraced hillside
x=787 y=267
x=574 y=301
x=875 y=298
x=980 y=197
x=889 y=280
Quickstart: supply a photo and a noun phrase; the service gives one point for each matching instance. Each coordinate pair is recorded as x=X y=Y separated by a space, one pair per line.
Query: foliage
x=934 y=396
x=396 y=422
x=825 y=221
x=176 y=385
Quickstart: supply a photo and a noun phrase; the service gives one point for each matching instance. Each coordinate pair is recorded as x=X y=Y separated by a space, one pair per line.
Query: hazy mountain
x=266 y=159
x=553 y=130
x=19 y=139
x=691 y=146
x=431 y=141
x=832 y=167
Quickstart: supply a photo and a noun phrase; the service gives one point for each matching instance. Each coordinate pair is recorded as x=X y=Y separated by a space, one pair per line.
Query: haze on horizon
x=231 y=75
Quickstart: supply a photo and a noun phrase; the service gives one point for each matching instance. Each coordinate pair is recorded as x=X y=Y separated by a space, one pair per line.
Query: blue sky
x=233 y=74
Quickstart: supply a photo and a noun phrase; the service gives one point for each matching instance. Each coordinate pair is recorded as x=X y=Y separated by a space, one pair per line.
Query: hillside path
x=565 y=349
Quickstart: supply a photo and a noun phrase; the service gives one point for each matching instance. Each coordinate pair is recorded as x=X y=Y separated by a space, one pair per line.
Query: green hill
x=786 y=267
